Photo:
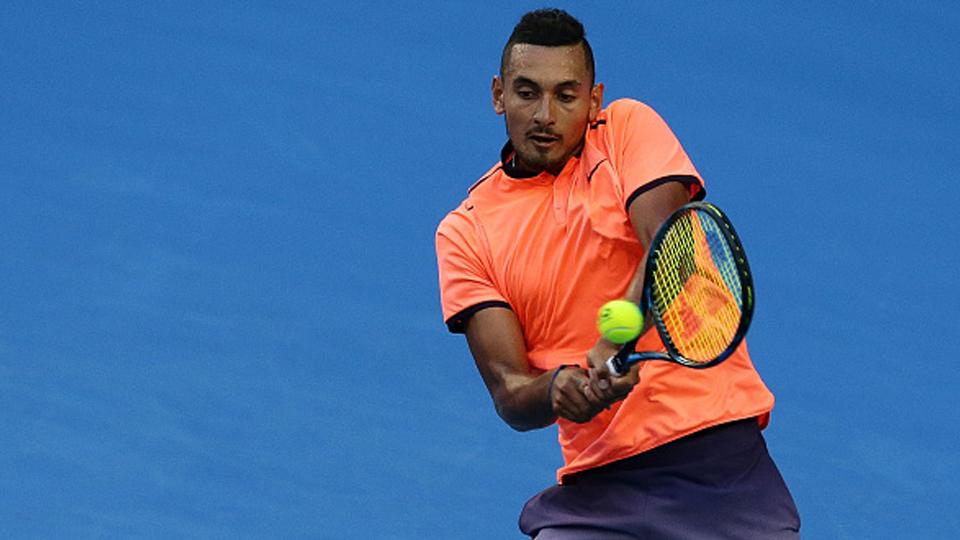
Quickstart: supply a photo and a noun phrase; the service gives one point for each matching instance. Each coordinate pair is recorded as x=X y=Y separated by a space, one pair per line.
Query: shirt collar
x=508 y=159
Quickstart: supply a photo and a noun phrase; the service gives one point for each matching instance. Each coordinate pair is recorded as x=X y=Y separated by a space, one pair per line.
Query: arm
x=523 y=396
x=646 y=212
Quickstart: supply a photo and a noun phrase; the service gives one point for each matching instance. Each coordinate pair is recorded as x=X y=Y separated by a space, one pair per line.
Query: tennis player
x=555 y=229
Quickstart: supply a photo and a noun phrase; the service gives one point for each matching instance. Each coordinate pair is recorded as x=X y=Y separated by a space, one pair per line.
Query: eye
x=526 y=94
x=567 y=98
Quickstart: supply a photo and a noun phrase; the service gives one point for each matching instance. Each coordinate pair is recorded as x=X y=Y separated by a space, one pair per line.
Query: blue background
x=218 y=305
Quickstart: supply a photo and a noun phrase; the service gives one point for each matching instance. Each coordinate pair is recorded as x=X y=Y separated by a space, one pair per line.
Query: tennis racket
x=696 y=288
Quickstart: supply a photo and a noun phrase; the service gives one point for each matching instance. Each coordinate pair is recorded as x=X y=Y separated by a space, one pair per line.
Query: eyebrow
x=520 y=81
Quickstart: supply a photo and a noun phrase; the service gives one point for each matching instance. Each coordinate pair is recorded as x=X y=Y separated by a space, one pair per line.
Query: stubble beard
x=536 y=161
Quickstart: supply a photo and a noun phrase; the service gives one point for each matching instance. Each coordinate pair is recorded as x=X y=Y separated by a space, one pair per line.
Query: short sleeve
x=465 y=284
x=646 y=153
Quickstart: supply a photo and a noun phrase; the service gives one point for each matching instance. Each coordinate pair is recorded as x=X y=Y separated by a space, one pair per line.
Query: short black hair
x=550 y=27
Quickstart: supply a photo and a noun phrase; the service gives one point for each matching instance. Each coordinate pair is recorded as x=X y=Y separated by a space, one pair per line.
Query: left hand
x=604 y=385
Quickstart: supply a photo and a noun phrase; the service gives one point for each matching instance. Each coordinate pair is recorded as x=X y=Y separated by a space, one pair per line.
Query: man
x=548 y=235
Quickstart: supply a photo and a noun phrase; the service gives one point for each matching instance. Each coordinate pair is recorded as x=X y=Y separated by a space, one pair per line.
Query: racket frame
x=620 y=363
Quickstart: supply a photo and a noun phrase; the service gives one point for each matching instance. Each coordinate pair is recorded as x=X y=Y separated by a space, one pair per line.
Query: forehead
x=547 y=65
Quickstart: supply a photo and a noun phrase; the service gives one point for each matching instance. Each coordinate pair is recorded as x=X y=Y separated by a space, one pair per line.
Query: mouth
x=543 y=140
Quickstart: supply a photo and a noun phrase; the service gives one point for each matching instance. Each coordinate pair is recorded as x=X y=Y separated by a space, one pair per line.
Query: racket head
x=698 y=287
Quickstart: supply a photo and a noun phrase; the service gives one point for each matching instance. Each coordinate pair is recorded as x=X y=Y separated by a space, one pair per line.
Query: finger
x=573 y=416
x=601 y=351
x=574 y=413
x=622 y=386
x=595 y=399
x=602 y=385
x=573 y=402
x=578 y=404
x=592 y=360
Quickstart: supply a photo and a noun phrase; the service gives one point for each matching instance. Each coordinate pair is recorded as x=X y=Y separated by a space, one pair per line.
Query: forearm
x=635 y=293
x=520 y=392
x=635 y=289
x=523 y=401
x=562 y=392
x=525 y=397
x=647 y=213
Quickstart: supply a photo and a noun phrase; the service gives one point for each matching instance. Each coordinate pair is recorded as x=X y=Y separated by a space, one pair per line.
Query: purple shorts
x=716 y=483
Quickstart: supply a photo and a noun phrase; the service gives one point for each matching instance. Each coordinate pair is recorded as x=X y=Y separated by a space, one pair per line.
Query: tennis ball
x=619 y=321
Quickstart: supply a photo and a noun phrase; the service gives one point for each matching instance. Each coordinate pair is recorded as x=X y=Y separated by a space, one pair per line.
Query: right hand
x=603 y=384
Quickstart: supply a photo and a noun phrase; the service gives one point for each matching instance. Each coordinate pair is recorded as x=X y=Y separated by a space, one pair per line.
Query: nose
x=544 y=115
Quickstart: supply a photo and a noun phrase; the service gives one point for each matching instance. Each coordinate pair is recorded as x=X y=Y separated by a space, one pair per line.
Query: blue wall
x=218 y=303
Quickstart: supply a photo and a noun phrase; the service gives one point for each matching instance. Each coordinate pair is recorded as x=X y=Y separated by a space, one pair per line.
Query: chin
x=540 y=162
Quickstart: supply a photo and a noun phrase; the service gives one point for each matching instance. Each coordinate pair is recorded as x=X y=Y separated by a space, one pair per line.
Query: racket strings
x=697 y=292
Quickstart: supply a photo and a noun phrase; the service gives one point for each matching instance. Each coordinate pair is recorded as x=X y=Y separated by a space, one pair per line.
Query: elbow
x=520 y=419
x=517 y=424
x=514 y=421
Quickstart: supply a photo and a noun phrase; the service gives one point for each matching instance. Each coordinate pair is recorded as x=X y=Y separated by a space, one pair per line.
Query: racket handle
x=615 y=366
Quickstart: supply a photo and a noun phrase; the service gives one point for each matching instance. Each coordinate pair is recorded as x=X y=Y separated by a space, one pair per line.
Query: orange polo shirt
x=556 y=248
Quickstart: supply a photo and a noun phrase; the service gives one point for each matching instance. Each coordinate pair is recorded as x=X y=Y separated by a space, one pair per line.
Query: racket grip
x=615 y=366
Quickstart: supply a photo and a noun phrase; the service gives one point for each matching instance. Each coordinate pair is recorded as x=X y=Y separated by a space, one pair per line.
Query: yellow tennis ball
x=619 y=321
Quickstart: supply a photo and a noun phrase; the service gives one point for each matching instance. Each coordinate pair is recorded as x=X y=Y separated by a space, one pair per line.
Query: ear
x=596 y=101
x=496 y=88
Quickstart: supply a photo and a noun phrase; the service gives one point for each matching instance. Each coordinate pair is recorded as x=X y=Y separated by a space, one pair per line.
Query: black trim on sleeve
x=684 y=179
x=458 y=323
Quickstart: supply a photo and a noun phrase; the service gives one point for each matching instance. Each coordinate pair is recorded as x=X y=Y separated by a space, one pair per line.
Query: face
x=548 y=101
